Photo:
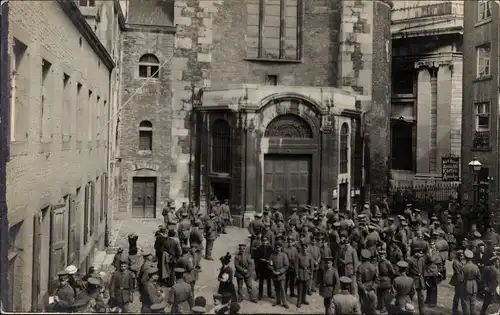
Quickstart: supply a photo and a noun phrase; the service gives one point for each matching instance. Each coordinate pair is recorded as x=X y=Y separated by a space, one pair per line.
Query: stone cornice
x=130 y=27
x=433 y=63
x=76 y=17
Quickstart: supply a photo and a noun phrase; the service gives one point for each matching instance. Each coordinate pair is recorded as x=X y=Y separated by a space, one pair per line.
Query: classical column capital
x=430 y=64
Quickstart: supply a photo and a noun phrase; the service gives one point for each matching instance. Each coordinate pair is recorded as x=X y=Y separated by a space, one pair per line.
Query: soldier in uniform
x=184 y=228
x=171 y=252
x=143 y=272
x=367 y=277
x=225 y=215
x=416 y=265
x=315 y=252
x=386 y=274
x=268 y=233
x=403 y=289
x=243 y=269
x=262 y=255
x=491 y=278
x=171 y=219
x=210 y=236
x=181 y=296
x=183 y=209
x=196 y=242
x=472 y=276
x=456 y=281
x=279 y=265
x=348 y=261
x=293 y=219
x=329 y=282
x=304 y=268
x=255 y=227
x=193 y=212
x=121 y=286
x=344 y=303
x=186 y=262
x=64 y=297
x=292 y=204
x=291 y=251
x=150 y=291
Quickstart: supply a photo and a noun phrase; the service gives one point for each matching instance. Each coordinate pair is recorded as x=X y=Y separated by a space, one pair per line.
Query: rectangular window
x=79 y=112
x=90 y=116
x=19 y=92
x=86 y=214
x=98 y=118
x=482 y=126
x=92 y=208
x=87 y=3
x=483 y=61
x=104 y=196
x=274 y=29
x=46 y=97
x=146 y=140
x=73 y=240
x=272 y=79
x=66 y=111
x=483 y=10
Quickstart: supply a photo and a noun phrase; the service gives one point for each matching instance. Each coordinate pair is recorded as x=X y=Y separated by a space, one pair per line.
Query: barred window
x=221 y=147
x=344 y=148
x=145 y=136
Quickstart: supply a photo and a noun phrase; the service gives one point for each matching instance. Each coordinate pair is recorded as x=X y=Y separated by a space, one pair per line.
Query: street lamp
x=475 y=167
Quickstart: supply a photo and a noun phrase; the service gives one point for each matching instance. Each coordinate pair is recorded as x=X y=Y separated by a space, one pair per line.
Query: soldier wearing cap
x=279 y=265
x=193 y=211
x=315 y=253
x=262 y=256
x=95 y=291
x=210 y=236
x=344 y=302
x=196 y=242
x=329 y=283
x=367 y=276
x=243 y=270
x=304 y=267
x=291 y=251
x=184 y=228
x=225 y=215
x=472 y=277
x=269 y=233
x=348 y=261
x=404 y=289
x=148 y=262
x=64 y=298
x=372 y=239
x=294 y=218
x=186 y=261
x=432 y=274
x=181 y=296
x=171 y=252
x=171 y=219
x=416 y=266
x=256 y=226
x=386 y=274
x=121 y=286
x=150 y=292
x=490 y=276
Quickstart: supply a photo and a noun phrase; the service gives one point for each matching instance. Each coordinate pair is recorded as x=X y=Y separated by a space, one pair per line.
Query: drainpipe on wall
x=4 y=152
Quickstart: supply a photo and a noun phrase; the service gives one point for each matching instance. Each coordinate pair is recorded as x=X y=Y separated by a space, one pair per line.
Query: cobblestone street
x=207 y=282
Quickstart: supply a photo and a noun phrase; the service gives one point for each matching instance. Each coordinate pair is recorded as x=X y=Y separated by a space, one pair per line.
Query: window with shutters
x=483 y=59
x=344 y=149
x=73 y=240
x=15 y=267
x=483 y=10
x=221 y=147
x=91 y=209
x=46 y=99
x=86 y=214
x=145 y=136
x=149 y=66
x=104 y=197
x=19 y=63
x=58 y=238
x=274 y=29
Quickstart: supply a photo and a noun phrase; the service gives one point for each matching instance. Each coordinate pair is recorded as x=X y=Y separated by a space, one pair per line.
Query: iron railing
x=422 y=196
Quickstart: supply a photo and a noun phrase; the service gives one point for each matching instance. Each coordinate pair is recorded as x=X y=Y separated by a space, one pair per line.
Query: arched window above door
x=221 y=147
x=288 y=126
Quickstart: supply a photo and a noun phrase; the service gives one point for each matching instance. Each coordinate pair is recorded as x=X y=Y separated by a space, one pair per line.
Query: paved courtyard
x=207 y=282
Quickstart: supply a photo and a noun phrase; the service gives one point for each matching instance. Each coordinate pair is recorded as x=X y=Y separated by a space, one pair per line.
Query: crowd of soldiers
x=364 y=261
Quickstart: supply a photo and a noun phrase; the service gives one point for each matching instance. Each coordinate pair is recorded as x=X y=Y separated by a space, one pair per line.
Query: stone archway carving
x=288 y=126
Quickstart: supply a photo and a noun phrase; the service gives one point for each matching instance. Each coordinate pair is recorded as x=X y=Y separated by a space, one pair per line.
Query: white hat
x=71 y=269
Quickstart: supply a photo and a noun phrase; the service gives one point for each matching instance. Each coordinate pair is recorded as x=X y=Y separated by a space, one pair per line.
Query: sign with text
x=450 y=168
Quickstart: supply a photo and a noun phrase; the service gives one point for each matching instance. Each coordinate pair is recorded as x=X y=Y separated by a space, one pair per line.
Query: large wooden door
x=287 y=176
x=144 y=197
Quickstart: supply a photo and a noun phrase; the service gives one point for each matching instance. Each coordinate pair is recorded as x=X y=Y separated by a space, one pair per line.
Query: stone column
x=328 y=160
x=443 y=134
x=424 y=100
x=252 y=187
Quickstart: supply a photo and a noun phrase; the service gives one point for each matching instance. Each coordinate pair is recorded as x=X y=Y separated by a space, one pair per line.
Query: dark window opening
x=221 y=147
x=344 y=148
x=222 y=191
x=272 y=80
x=343 y=197
x=402 y=146
x=403 y=82
x=149 y=66
x=87 y=3
x=146 y=136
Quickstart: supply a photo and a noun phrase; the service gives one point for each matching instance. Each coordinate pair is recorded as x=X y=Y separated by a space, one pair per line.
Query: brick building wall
x=43 y=175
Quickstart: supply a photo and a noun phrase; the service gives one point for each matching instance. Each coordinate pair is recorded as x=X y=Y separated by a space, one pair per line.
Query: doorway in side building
x=144 y=197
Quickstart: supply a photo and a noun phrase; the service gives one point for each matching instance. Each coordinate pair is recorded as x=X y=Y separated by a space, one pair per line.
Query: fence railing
x=422 y=196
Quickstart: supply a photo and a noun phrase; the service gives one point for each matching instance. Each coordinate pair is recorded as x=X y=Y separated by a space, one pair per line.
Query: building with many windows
x=480 y=98
x=251 y=101
x=63 y=79
x=426 y=103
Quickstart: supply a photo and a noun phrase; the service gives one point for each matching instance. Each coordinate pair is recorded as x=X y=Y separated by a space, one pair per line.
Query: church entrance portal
x=287 y=176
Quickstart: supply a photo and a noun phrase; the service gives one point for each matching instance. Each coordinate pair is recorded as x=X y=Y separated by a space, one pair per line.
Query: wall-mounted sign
x=450 y=168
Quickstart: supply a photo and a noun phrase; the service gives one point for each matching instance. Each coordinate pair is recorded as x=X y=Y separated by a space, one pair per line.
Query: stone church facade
x=252 y=101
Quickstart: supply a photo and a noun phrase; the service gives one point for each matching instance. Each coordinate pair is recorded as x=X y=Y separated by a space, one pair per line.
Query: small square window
x=272 y=79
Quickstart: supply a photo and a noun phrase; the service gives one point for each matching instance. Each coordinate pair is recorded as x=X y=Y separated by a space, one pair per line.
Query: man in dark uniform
x=193 y=212
x=291 y=251
x=344 y=303
x=121 y=286
x=186 y=262
x=472 y=277
x=183 y=209
x=403 y=289
x=146 y=265
x=243 y=269
x=150 y=291
x=386 y=274
x=255 y=227
x=184 y=228
x=262 y=255
x=225 y=215
x=279 y=264
x=491 y=278
x=367 y=277
x=304 y=267
x=269 y=233
x=181 y=296
x=64 y=298
x=293 y=219
x=329 y=282
x=196 y=242
x=210 y=236
x=416 y=265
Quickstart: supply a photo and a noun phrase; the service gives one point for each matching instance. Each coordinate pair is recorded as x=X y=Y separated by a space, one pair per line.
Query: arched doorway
x=288 y=173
